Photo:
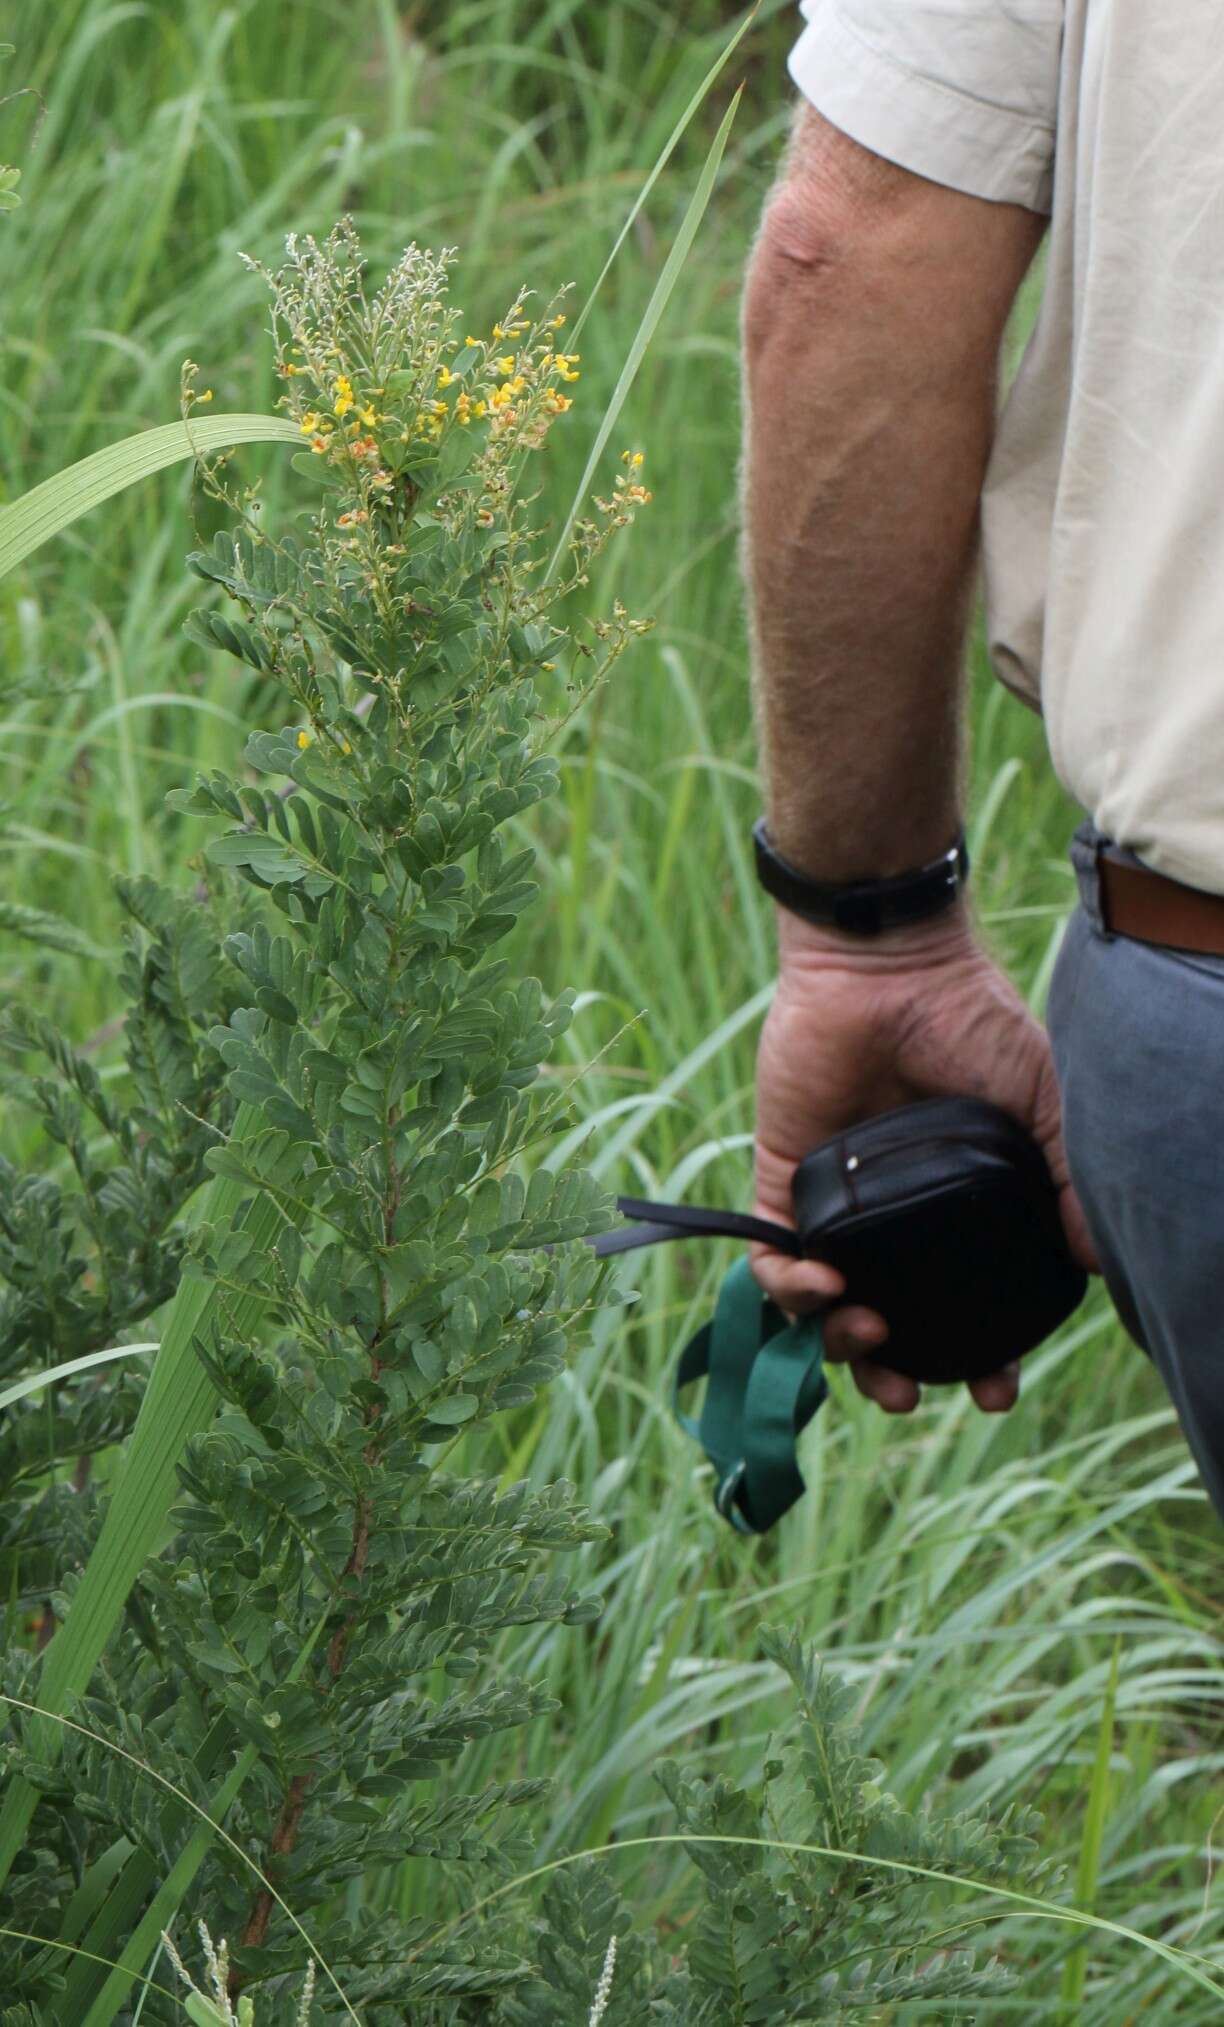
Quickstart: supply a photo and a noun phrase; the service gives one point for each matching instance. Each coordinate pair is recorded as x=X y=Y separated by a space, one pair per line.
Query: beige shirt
x=1103 y=505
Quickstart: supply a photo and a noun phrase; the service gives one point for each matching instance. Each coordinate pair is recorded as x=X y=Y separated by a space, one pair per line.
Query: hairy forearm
x=871 y=378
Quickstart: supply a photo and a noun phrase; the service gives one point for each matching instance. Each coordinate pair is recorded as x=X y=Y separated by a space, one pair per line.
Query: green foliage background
x=969 y=1576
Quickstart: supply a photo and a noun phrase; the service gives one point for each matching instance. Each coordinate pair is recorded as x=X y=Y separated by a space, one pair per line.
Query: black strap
x=658 y=1222
x=864 y=906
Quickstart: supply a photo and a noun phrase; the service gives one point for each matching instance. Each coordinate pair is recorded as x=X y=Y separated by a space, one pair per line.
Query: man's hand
x=856 y=1027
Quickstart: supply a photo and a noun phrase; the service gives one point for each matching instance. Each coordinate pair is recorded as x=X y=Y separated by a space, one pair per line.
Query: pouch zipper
x=852 y=1163
x=884 y=1148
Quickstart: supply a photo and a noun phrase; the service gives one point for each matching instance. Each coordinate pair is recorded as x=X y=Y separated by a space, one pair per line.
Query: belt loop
x=1102 y=900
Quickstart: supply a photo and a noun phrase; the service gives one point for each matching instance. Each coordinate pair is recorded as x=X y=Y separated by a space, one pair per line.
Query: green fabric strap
x=764 y=1382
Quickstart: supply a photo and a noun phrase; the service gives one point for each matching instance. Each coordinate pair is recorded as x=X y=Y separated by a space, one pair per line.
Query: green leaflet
x=62 y=499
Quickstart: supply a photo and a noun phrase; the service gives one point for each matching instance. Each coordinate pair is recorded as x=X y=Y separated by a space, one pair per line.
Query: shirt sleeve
x=964 y=92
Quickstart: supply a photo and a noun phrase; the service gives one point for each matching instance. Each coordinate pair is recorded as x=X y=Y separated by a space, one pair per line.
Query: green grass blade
x=48 y=931
x=1075 y=1970
x=35 y=1380
x=125 y=1970
x=604 y=1162
x=71 y=1949
x=106 y=1906
x=51 y=507
x=179 y=1401
x=669 y=147
x=1187 y=1963
x=650 y=321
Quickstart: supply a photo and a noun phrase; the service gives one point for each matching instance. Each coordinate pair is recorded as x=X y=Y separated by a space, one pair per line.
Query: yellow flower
x=505 y=365
x=498 y=332
x=439 y=408
x=445 y=376
x=479 y=409
x=471 y=341
x=318 y=445
x=303 y=740
x=555 y=323
x=569 y=374
x=309 y=422
x=342 y=404
x=368 y=416
x=557 y=404
x=548 y=665
x=343 y=385
x=206 y=396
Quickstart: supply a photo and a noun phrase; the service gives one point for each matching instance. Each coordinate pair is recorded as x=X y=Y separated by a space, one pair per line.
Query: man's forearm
x=871 y=340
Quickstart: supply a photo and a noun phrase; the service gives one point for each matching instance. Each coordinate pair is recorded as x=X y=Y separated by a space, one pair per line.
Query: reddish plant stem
x=289 y=1822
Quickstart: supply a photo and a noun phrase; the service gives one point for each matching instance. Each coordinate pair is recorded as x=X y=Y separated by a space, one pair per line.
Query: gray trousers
x=1137 y=1032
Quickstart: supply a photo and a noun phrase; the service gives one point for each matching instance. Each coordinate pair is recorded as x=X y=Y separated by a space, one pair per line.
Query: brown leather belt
x=1136 y=901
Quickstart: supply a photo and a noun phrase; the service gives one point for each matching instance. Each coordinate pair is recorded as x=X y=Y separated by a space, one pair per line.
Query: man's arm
x=875 y=306
x=874 y=311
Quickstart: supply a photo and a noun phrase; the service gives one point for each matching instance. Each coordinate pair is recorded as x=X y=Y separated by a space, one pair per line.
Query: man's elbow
x=836 y=213
x=847 y=236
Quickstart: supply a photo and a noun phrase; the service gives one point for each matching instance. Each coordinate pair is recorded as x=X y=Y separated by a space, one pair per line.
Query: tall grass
x=974 y=1575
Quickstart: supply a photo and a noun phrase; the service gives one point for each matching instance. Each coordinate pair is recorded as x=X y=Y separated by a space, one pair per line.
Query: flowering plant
x=383 y=1274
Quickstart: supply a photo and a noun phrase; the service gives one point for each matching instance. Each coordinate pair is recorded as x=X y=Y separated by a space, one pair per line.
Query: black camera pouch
x=941 y=1215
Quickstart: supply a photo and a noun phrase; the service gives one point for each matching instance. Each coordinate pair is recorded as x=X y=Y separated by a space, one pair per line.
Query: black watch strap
x=867 y=906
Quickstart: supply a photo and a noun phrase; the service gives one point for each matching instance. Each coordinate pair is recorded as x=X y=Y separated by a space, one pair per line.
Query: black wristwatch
x=867 y=906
